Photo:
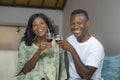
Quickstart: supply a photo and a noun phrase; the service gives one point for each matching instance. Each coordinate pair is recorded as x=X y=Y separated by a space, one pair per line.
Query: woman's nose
x=39 y=25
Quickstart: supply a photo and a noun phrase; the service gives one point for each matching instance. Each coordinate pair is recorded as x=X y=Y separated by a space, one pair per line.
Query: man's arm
x=84 y=71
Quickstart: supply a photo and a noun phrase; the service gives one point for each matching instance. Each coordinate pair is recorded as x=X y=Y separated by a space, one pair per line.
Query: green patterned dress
x=51 y=64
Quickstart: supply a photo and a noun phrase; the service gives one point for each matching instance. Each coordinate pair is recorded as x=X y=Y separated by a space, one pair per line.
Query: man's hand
x=65 y=45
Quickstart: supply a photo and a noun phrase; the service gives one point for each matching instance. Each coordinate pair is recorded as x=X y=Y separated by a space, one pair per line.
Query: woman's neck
x=40 y=39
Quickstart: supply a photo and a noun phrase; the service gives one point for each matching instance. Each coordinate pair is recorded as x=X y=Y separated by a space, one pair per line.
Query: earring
x=48 y=30
x=34 y=38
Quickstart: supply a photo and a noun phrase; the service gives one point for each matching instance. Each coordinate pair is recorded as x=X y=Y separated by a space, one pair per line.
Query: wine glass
x=58 y=37
x=49 y=36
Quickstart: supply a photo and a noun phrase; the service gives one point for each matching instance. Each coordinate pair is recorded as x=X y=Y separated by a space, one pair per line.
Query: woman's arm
x=31 y=63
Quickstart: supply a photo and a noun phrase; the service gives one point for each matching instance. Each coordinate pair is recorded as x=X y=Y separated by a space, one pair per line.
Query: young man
x=85 y=52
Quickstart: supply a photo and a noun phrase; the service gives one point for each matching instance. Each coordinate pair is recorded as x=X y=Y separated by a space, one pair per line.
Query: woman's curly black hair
x=29 y=35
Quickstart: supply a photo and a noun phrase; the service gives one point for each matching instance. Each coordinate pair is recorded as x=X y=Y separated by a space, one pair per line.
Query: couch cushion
x=111 y=67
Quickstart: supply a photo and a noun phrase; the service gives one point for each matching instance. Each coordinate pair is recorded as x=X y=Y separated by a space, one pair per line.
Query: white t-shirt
x=90 y=52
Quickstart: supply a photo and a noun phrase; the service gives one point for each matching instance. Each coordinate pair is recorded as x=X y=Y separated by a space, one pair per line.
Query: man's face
x=79 y=24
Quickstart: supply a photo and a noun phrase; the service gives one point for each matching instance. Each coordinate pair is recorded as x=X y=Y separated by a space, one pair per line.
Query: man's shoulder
x=70 y=37
x=95 y=43
x=95 y=40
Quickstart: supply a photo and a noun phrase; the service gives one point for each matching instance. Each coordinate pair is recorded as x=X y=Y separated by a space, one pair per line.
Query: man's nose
x=75 y=26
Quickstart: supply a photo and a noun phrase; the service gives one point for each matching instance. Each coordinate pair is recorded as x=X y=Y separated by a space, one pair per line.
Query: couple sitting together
x=39 y=59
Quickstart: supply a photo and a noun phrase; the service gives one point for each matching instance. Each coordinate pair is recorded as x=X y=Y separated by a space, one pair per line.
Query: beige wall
x=105 y=19
x=9 y=40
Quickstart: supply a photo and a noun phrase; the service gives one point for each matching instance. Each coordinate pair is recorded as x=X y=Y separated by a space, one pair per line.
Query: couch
x=111 y=67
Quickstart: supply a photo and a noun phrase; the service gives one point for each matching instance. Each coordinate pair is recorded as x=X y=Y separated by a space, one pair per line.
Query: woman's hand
x=45 y=45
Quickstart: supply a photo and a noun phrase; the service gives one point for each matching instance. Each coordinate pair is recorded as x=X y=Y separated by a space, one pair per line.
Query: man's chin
x=78 y=36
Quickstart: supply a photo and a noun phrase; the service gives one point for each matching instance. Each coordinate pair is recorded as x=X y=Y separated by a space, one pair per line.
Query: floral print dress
x=50 y=66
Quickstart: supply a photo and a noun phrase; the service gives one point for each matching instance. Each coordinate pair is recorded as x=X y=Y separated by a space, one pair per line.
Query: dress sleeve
x=22 y=56
x=63 y=72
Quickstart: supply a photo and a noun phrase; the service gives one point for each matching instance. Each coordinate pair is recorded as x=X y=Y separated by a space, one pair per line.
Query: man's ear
x=88 y=24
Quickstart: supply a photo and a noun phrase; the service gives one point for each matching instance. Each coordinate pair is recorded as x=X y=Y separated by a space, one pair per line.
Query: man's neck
x=84 y=37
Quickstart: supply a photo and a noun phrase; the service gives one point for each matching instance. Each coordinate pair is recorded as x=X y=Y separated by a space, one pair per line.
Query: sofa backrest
x=111 y=67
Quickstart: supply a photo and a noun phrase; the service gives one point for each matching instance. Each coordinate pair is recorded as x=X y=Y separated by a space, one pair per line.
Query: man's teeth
x=77 y=31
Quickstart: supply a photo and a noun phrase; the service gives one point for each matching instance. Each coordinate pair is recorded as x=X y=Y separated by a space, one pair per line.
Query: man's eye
x=79 y=23
x=72 y=24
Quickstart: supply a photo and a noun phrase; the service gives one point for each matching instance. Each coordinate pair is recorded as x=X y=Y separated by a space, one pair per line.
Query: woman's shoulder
x=22 y=43
x=26 y=46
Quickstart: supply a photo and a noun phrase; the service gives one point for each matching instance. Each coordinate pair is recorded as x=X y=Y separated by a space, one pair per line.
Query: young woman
x=38 y=58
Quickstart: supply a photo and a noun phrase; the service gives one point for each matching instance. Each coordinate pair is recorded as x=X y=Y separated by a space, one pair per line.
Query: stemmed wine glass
x=58 y=37
x=49 y=36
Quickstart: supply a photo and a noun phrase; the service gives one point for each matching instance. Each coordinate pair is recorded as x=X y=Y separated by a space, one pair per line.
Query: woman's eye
x=42 y=23
x=34 y=25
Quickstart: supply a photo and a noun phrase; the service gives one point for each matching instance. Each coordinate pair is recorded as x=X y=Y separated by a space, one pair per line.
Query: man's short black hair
x=78 y=11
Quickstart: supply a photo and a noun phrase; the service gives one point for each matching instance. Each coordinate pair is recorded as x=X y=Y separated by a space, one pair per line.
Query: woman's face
x=39 y=27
